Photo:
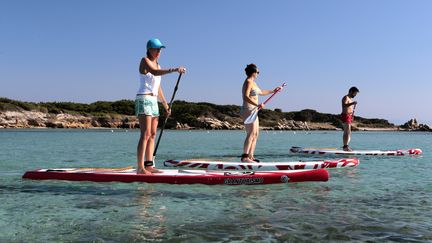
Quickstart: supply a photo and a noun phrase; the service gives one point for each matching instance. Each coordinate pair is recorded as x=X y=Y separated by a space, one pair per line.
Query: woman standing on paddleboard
x=250 y=92
x=146 y=104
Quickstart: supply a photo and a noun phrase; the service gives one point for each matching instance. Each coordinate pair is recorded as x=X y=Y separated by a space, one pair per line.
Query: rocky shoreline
x=38 y=119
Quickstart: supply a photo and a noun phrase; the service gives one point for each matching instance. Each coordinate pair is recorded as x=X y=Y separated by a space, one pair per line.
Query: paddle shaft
x=166 y=118
x=354 y=109
x=252 y=117
x=271 y=96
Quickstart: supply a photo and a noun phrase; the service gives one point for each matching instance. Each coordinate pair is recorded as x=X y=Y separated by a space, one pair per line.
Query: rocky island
x=185 y=115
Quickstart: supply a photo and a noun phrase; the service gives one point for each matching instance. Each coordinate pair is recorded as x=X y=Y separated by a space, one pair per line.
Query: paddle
x=253 y=116
x=166 y=118
x=354 y=108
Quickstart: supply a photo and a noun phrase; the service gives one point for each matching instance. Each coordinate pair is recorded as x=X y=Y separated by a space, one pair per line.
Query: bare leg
x=248 y=141
x=255 y=133
x=144 y=122
x=151 y=145
x=346 y=136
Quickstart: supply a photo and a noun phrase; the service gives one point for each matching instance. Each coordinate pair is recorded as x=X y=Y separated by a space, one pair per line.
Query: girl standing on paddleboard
x=146 y=104
x=250 y=92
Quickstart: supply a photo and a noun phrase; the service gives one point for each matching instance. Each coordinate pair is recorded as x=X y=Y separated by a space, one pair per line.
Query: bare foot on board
x=247 y=160
x=153 y=169
x=347 y=148
x=141 y=171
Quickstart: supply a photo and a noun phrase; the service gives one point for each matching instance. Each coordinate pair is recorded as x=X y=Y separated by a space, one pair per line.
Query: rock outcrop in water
x=413 y=125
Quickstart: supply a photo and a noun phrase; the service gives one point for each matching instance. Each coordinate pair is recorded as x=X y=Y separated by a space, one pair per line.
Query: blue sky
x=86 y=51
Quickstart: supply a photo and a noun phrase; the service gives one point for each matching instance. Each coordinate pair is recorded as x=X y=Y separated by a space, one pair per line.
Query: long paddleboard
x=326 y=151
x=179 y=176
x=262 y=166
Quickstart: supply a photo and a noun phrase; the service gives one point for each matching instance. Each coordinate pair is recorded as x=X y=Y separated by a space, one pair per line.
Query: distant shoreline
x=361 y=129
x=185 y=116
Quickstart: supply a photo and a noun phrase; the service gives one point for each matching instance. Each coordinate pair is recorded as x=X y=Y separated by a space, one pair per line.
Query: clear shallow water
x=384 y=199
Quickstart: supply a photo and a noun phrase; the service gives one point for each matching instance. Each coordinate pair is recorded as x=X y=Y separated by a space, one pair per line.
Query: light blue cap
x=154 y=43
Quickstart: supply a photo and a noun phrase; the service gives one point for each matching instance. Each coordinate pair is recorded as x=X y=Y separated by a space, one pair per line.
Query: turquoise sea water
x=384 y=199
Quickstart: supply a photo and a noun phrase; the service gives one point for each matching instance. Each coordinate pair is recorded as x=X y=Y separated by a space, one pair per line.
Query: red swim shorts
x=347 y=118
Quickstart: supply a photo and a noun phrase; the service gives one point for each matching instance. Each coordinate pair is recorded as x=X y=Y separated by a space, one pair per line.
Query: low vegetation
x=183 y=112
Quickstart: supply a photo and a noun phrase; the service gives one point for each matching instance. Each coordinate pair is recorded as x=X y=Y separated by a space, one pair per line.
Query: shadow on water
x=196 y=192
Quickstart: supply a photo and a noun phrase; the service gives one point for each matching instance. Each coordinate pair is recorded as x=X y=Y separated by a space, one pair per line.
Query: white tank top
x=149 y=84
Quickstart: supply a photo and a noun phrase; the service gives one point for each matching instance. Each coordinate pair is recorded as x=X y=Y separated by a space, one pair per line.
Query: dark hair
x=251 y=69
x=353 y=89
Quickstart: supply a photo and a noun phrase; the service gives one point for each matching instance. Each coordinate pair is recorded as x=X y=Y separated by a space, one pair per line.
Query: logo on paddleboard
x=284 y=179
x=243 y=181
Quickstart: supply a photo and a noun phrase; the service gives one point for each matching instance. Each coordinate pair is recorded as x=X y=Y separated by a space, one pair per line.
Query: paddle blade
x=252 y=117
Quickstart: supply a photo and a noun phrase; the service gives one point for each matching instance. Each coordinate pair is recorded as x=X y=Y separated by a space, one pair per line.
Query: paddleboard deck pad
x=179 y=176
x=324 y=151
x=262 y=166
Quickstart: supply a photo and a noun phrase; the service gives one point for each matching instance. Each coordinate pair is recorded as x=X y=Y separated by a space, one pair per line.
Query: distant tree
x=124 y=107
x=101 y=107
x=305 y=115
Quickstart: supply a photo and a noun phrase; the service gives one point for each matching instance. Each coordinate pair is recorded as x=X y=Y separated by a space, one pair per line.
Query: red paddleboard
x=179 y=176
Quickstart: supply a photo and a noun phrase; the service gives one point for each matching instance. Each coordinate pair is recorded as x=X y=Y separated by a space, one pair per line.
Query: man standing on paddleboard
x=146 y=104
x=347 y=116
